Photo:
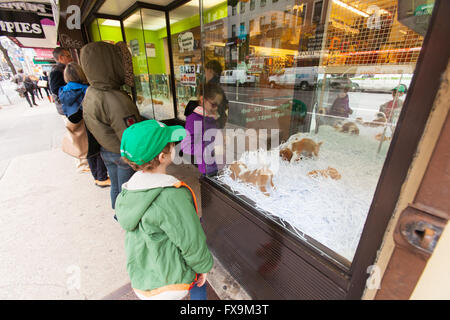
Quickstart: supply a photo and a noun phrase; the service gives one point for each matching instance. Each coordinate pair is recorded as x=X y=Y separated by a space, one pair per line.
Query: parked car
x=381 y=82
x=237 y=77
x=337 y=83
x=301 y=77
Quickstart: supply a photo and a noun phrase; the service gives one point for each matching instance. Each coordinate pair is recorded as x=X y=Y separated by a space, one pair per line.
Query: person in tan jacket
x=108 y=110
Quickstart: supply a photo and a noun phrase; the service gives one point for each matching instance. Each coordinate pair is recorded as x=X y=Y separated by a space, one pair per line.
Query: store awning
x=30 y=24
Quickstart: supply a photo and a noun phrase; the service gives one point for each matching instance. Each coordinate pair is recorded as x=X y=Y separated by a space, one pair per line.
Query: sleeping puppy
x=261 y=178
x=380 y=121
x=328 y=172
x=380 y=136
x=350 y=127
x=296 y=150
x=142 y=100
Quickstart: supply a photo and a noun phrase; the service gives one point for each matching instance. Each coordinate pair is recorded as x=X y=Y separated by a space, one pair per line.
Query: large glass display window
x=315 y=90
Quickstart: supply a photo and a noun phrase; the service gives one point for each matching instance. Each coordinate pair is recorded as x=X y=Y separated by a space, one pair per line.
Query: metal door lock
x=422 y=235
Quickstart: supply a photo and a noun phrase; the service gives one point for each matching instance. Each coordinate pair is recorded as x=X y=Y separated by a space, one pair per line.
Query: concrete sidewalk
x=59 y=236
x=60 y=240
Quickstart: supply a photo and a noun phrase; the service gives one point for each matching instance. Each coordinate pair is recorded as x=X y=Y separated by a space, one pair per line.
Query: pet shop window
x=312 y=109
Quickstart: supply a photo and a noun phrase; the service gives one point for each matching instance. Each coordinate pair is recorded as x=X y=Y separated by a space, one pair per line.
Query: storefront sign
x=186 y=41
x=22 y=19
x=188 y=77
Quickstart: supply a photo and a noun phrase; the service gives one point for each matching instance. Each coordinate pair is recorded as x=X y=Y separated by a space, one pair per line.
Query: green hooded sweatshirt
x=165 y=243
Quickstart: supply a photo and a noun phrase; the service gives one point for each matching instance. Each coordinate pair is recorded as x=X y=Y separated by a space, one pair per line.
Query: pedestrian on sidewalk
x=37 y=89
x=30 y=86
x=71 y=97
x=43 y=83
x=165 y=244
x=19 y=80
x=107 y=110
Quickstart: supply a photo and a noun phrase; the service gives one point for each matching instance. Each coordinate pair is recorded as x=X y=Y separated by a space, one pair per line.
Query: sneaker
x=103 y=184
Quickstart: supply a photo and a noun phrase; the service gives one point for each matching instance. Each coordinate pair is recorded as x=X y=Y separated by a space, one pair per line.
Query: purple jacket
x=200 y=139
x=340 y=107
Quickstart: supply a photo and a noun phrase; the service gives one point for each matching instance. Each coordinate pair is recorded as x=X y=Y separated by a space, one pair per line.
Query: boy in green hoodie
x=165 y=244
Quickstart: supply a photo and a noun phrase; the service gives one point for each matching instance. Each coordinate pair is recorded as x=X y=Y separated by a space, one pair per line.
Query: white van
x=236 y=77
x=381 y=82
x=302 y=77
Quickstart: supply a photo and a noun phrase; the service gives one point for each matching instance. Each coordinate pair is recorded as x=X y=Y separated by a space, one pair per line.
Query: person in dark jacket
x=44 y=77
x=30 y=87
x=71 y=97
x=63 y=57
x=213 y=70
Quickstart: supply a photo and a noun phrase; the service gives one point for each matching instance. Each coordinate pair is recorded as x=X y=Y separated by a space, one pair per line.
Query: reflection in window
x=242 y=10
x=252 y=4
x=317 y=12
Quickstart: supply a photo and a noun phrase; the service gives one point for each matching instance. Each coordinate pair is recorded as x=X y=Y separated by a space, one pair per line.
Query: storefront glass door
x=146 y=35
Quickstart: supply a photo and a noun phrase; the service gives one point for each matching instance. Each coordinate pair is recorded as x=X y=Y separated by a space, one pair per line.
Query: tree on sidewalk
x=8 y=60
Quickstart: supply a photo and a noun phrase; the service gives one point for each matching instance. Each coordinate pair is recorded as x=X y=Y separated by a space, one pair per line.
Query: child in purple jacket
x=201 y=126
x=341 y=105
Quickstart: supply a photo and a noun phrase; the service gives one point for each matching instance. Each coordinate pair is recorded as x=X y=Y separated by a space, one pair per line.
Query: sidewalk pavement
x=60 y=240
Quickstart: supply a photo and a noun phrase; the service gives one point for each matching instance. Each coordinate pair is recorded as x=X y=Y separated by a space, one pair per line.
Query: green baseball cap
x=400 y=88
x=143 y=141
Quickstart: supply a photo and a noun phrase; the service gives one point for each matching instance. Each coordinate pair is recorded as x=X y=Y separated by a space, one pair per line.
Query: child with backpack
x=166 y=249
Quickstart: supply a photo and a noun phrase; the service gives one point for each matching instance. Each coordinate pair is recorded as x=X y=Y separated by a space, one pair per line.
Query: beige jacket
x=107 y=110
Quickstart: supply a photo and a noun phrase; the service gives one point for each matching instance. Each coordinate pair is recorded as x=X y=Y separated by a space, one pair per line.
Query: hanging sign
x=22 y=19
x=186 y=41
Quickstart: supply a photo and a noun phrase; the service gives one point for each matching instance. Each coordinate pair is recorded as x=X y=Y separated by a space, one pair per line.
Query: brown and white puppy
x=380 y=136
x=350 y=127
x=378 y=122
x=261 y=178
x=299 y=149
x=142 y=100
x=328 y=172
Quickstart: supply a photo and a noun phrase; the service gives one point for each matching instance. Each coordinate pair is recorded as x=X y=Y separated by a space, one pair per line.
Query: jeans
x=119 y=172
x=98 y=168
x=26 y=94
x=198 y=293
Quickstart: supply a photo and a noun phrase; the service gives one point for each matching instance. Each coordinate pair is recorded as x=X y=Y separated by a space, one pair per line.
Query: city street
x=244 y=99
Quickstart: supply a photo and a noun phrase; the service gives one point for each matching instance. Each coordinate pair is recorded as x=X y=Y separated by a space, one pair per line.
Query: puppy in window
x=261 y=178
x=297 y=150
x=348 y=127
